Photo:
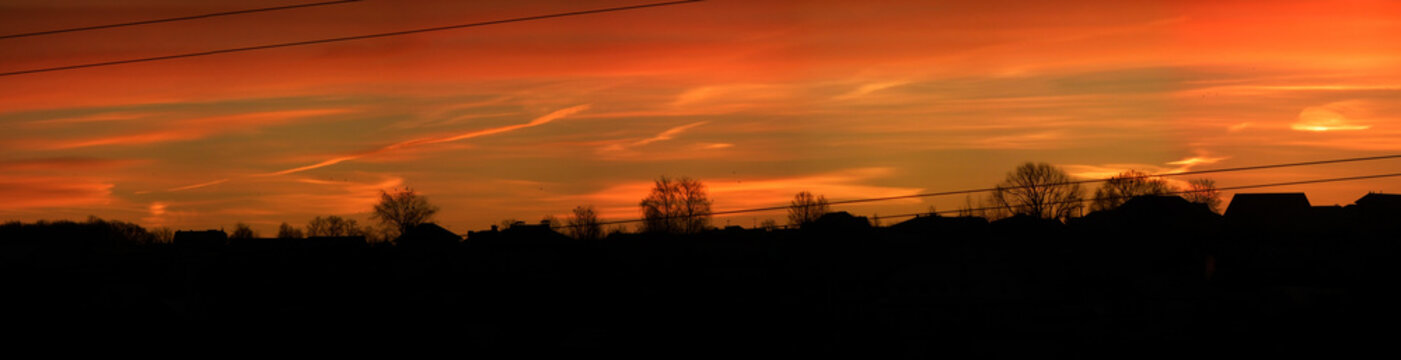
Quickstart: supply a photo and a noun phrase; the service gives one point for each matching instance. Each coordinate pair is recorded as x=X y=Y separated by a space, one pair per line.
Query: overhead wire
x=983 y=190
x=344 y=38
x=1179 y=192
x=174 y=19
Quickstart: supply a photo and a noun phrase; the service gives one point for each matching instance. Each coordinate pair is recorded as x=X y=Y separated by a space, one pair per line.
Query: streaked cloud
x=668 y=134
x=557 y=114
x=866 y=89
x=1197 y=160
x=66 y=163
x=193 y=129
x=199 y=185
x=1105 y=171
x=39 y=192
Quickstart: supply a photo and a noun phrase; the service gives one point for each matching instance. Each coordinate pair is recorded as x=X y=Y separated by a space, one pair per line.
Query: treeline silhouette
x=1156 y=276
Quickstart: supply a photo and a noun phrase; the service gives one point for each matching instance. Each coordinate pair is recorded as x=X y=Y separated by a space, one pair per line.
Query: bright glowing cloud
x=1197 y=160
x=1106 y=171
x=1322 y=118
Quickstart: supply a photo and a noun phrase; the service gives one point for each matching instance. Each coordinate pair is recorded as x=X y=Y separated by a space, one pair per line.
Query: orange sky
x=758 y=99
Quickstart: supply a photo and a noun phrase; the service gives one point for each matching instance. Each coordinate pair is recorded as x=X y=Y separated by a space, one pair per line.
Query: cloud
x=663 y=136
x=1197 y=160
x=331 y=197
x=557 y=114
x=866 y=89
x=199 y=185
x=713 y=146
x=24 y=192
x=1024 y=141
x=1324 y=118
x=1105 y=171
x=194 y=129
x=64 y=163
x=735 y=97
x=92 y=118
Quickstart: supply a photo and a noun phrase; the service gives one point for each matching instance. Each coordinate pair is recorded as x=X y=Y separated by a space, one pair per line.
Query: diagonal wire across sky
x=1088 y=181
x=345 y=38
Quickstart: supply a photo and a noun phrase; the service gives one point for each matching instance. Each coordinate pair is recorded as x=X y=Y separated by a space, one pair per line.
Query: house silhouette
x=1268 y=209
x=428 y=235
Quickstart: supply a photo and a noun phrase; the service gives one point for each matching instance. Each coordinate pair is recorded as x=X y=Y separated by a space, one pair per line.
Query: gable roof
x=1267 y=204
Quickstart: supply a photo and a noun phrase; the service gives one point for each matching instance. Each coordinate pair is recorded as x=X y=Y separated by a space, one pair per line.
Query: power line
x=1180 y=192
x=1090 y=181
x=347 y=38
x=972 y=191
x=174 y=19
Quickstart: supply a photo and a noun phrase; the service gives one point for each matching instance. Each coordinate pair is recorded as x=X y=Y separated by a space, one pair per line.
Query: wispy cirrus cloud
x=25 y=192
x=668 y=134
x=65 y=163
x=193 y=129
x=557 y=114
x=867 y=89
x=91 y=118
x=403 y=145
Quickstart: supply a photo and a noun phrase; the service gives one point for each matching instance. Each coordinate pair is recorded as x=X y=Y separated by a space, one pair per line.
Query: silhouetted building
x=941 y=226
x=428 y=235
x=1267 y=209
x=840 y=220
x=1377 y=209
x=1152 y=211
x=1380 y=201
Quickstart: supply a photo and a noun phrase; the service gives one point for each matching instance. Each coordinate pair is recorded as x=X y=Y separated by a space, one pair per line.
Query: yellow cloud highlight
x=1322 y=118
x=1109 y=170
x=1197 y=160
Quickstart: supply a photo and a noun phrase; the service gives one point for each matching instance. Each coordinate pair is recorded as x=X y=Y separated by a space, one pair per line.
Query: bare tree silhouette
x=242 y=231
x=805 y=208
x=403 y=209
x=1038 y=189
x=286 y=231
x=1118 y=189
x=583 y=224
x=1203 y=191
x=679 y=206
x=163 y=235
x=333 y=226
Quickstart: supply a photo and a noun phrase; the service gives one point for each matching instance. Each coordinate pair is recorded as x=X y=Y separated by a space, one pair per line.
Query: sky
x=756 y=99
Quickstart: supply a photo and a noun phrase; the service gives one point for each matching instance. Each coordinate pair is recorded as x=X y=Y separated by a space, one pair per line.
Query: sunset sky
x=757 y=99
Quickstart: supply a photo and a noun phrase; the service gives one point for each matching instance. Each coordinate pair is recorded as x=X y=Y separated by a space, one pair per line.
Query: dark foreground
x=1150 y=280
